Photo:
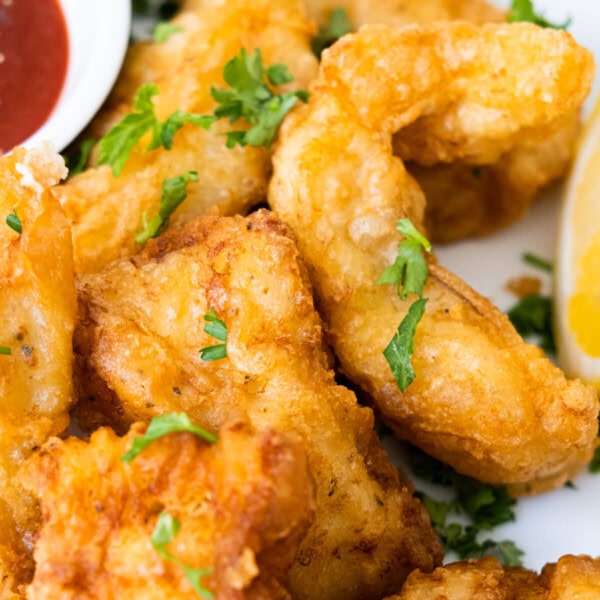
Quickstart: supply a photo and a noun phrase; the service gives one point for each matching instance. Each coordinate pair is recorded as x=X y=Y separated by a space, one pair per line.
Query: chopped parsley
x=252 y=99
x=338 y=26
x=164 y=30
x=13 y=221
x=174 y=192
x=166 y=529
x=536 y=261
x=5 y=350
x=77 y=161
x=532 y=316
x=164 y=425
x=116 y=146
x=401 y=347
x=523 y=10
x=216 y=328
x=409 y=271
x=483 y=506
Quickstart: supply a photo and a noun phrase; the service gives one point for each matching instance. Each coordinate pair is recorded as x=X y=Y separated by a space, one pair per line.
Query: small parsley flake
x=216 y=328
x=164 y=30
x=13 y=221
x=77 y=161
x=5 y=350
x=536 y=261
x=523 y=10
x=337 y=26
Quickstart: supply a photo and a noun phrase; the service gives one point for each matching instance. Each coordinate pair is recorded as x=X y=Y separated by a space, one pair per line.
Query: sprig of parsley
x=484 y=506
x=166 y=529
x=174 y=192
x=164 y=425
x=523 y=10
x=337 y=26
x=409 y=271
x=13 y=221
x=5 y=350
x=252 y=99
x=533 y=316
x=116 y=146
x=216 y=328
x=164 y=30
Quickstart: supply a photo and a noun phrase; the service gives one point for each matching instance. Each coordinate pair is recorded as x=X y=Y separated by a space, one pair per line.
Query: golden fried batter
x=483 y=401
x=243 y=506
x=571 y=578
x=107 y=211
x=38 y=306
x=140 y=332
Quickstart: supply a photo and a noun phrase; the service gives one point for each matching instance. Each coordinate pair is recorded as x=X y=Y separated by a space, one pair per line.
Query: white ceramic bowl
x=98 y=33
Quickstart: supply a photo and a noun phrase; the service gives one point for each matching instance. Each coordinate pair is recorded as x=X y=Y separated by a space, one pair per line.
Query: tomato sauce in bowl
x=34 y=53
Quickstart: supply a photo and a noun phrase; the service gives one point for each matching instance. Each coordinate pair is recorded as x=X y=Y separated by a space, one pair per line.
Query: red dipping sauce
x=34 y=50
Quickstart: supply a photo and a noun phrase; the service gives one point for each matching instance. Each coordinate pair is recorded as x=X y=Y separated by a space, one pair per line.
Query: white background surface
x=564 y=521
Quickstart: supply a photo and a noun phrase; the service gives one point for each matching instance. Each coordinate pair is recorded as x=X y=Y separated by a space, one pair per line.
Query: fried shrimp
x=106 y=211
x=242 y=506
x=482 y=400
x=138 y=340
x=38 y=306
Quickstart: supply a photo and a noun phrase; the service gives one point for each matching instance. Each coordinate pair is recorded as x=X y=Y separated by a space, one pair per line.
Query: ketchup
x=34 y=49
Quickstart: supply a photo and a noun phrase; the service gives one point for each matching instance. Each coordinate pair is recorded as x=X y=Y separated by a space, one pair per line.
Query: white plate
x=565 y=521
x=98 y=34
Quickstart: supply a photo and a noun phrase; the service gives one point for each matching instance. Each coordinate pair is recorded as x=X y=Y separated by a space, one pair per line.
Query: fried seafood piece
x=572 y=577
x=140 y=330
x=243 y=506
x=398 y=13
x=38 y=307
x=483 y=401
x=107 y=211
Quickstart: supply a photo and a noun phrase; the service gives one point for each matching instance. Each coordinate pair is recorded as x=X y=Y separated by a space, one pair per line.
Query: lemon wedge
x=577 y=294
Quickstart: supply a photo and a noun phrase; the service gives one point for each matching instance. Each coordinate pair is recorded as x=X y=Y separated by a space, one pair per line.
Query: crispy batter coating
x=243 y=505
x=398 y=13
x=139 y=335
x=38 y=306
x=483 y=401
x=107 y=211
x=571 y=578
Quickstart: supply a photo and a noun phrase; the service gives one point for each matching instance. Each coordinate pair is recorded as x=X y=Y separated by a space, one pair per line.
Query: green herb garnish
x=523 y=10
x=164 y=30
x=532 y=316
x=409 y=271
x=401 y=347
x=5 y=350
x=174 y=192
x=536 y=261
x=252 y=99
x=13 y=221
x=166 y=529
x=484 y=506
x=216 y=328
x=164 y=425
x=77 y=162
x=338 y=26
x=116 y=146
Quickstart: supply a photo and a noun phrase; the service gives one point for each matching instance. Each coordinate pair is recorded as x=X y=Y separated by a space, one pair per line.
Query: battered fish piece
x=483 y=401
x=106 y=211
x=37 y=308
x=243 y=506
x=572 y=577
x=140 y=330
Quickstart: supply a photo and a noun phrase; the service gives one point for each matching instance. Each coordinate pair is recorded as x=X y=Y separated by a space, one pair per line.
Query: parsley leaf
x=338 y=26
x=164 y=425
x=164 y=30
x=484 y=506
x=538 y=262
x=77 y=162
x=409 y=271
x=13 y=221
x=252 y=99
x=116 y=146
x=166 y=529
x=532 y=315
x=216 y=328
x=174 y=192
x=522 y=10
x=401 y=347
x=5 y=350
